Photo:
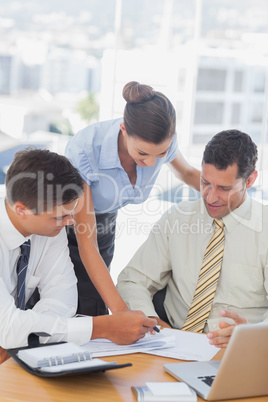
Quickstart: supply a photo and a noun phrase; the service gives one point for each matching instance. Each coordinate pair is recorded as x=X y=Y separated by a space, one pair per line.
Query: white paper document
x=103 y=347
x=189 y=346
x=168 y=343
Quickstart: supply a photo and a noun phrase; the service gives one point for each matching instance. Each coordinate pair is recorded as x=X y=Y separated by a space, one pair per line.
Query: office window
x=259 y=81
x=236 y=112
x=255 y=134
x=211 y=79
x=209 y=112
x=5 y=73
x=238 y=81
x=201 y=138
x=257 y=110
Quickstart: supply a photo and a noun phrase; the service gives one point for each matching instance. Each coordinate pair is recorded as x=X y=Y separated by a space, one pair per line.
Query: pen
x=156 y=329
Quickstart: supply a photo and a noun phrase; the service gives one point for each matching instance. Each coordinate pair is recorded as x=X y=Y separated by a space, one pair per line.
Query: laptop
x=243 y=371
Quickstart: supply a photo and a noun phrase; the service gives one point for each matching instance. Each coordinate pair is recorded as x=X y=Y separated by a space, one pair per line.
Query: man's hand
x=221 y=337
x=122 y=328
x=162 y=323
x=3 y=355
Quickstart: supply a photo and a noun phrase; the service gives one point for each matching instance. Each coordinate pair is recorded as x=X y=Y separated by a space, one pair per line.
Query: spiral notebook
x=54 y=355
x=51 y=360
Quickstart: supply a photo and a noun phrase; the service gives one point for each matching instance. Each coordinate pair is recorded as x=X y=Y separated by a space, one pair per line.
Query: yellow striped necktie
x=207 y=281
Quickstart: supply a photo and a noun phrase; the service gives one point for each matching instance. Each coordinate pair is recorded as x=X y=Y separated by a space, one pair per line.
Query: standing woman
x=119 y=160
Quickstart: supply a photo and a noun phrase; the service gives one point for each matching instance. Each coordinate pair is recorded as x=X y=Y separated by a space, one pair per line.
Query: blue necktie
x=22 y=266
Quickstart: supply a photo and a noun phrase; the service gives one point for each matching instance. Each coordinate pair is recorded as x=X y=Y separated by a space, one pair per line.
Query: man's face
x=49 y=223
x=221 y=190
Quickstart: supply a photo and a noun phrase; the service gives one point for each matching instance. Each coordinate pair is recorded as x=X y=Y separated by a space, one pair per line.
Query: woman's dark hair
x=41 y=179
x=229 y=147
x=148 y=114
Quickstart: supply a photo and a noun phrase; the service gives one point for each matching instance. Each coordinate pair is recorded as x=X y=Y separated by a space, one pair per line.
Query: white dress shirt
x=50 y=269
x=173 y=254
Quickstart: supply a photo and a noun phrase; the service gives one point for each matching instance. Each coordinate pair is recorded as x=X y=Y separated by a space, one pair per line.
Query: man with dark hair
x=42 y=190
x=211 y=255
x=41 y=180
x=229 y=147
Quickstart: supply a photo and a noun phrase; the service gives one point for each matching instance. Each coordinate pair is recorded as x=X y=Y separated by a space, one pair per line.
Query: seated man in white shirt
x=42 y=190
x=172 y=255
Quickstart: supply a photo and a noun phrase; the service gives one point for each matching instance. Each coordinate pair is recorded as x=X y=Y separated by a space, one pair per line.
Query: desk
x=112 y=386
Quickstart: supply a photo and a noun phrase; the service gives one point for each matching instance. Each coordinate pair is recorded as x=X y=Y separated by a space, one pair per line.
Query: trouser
x=158 y=302
x=89 y=300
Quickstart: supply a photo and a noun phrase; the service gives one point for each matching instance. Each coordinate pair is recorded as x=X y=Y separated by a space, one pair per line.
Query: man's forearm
x=3 y=355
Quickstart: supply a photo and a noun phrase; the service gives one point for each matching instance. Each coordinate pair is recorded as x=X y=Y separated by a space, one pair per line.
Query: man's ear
x=251 y=179
x=21 y=210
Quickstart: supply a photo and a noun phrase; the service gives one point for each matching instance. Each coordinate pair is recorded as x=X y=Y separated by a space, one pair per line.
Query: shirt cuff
x=79 y=329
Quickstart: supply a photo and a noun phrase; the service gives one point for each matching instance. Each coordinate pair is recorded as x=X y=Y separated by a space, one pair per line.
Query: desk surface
x=114 y=385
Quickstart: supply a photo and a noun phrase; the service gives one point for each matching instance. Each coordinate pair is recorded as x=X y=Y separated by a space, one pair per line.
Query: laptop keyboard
x=207 y=379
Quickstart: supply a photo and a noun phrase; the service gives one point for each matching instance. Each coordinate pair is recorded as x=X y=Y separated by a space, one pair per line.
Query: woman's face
x=145 y=153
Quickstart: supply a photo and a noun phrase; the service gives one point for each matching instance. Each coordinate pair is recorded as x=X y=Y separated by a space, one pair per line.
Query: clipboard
x=33 y=342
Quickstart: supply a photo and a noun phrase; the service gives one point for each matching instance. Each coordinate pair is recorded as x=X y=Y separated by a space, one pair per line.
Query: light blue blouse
x=94 y=152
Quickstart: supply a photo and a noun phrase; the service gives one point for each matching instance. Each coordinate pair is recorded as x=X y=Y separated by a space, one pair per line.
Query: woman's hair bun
x=134 y=92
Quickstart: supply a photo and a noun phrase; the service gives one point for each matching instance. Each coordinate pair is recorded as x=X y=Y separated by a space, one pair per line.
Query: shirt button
x=214 y=326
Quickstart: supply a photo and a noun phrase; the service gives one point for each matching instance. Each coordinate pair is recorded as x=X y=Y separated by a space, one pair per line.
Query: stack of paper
x=103 y=347
x=168 y=343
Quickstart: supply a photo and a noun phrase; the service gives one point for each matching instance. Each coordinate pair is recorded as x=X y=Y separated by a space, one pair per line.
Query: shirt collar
x=109 y=157
x=244 y=214
x=10 y=235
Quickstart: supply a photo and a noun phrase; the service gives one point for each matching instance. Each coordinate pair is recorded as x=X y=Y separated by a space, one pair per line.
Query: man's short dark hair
x=41 y=179
x=229 y=147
